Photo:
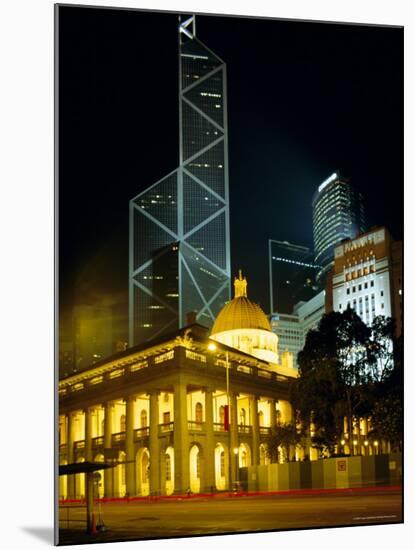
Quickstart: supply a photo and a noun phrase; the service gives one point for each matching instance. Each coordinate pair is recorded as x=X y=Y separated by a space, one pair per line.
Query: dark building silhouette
x=292 y=275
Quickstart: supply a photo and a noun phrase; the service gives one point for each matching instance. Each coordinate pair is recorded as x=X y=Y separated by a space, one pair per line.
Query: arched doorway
x=80 y=482
x=169 y=470
x=100 y=484
x=244 y=455
x=263 y=454
x=195 y=469
x=221 y=467
x=142 y=472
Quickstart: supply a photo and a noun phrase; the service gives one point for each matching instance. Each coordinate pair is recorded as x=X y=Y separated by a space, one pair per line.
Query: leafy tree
x=387 y=421
x=387 y=410
x=381 y=356
x=340 y=365
x=283 y=435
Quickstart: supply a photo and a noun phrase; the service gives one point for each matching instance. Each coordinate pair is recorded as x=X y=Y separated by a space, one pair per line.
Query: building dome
x=242 y=324
x=240 y=312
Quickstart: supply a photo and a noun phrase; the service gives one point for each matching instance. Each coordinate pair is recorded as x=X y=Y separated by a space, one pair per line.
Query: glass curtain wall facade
x=179 y=227
x=338 y=213
x=292 y=275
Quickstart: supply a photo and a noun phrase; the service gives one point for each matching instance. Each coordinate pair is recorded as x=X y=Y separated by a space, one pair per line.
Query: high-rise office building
x=179 y=227
x=338 y=213
x=292 y=329
x=292 y=276
x=367 y=277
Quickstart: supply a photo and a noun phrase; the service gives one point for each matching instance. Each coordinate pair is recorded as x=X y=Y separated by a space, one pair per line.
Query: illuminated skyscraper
x=179 y=227
x=338 y=213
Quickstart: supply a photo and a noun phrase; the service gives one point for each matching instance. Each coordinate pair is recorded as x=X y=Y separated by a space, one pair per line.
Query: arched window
x=221 y=414
x=123 y=423
x=243 y=417
x=144 y=418
x=145 y=468
x=199 y=412
x=198 y=465
x=222 y=467
x=167 y=467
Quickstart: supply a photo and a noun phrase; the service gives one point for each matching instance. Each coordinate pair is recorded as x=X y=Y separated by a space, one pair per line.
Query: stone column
x=129 y=446
x=181 y=450
x=71 y=453
x=209 y=469
x=154 y=445
x=234 y=439
x=88 y=435
x=272 y=406
x=255 y=430
x=108 y=473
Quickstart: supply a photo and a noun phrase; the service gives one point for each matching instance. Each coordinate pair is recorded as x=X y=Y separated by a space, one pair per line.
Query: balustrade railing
x=218 y=427
x=244 y=368
x=118 y=437
x=141 y=432
x=244 y=429
x=196 y=426
x=167 y=427
x=265 y=430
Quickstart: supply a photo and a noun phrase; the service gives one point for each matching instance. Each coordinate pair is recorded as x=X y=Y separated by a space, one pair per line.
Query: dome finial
x=240 y=286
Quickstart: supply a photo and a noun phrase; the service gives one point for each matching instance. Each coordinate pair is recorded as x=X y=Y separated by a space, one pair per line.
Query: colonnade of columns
x=181 y=440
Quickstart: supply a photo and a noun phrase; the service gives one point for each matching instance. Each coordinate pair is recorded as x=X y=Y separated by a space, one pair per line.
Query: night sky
x=304 y=100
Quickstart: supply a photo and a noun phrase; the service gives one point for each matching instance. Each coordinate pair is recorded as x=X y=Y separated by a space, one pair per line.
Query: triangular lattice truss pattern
x=179 y=227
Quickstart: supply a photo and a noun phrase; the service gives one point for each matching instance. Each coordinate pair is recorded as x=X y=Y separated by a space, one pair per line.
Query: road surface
x=195 y=516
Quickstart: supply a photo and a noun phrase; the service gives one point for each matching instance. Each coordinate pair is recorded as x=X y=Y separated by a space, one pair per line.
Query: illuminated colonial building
x=182 y=412
x=179 y=258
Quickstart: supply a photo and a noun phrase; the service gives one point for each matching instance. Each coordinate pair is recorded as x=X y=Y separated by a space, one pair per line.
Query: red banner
x=226 y=418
